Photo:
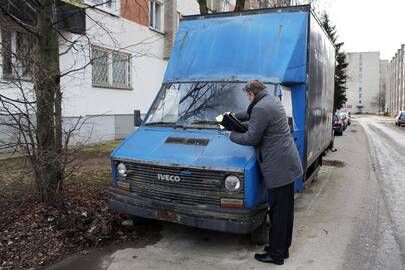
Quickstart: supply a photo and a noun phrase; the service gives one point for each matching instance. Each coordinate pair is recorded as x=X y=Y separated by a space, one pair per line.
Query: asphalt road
x=351 y=217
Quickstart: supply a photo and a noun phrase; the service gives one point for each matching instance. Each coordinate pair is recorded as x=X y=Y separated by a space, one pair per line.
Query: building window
x=359 y=101
x=16 y=51
x=359 y=96
x=155 y=15
x=111 y=68
x=121 y=67
x=360 y=89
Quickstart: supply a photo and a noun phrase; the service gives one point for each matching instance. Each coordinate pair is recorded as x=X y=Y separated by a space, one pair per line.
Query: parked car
x=338 y=125
x=400 y=119
x=346 y=118
x=343 y=117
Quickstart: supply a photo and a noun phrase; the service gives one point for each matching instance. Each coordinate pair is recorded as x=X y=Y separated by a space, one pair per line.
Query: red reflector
x=231 y=206
x=231 y=203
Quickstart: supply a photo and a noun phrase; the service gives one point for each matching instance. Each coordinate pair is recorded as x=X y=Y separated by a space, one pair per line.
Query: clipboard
x=231 y=123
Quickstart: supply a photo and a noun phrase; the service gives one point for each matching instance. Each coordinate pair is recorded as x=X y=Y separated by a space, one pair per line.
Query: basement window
x=111 y=69
x=155 y=15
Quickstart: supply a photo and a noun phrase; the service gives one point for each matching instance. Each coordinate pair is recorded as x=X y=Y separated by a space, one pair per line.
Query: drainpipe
x=170 y=25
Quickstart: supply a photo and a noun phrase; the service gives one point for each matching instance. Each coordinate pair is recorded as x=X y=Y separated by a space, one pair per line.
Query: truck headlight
x=122 y=170
x=232 y=183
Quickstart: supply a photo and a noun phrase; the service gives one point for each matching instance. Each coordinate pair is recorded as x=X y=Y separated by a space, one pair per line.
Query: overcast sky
x=369 y=25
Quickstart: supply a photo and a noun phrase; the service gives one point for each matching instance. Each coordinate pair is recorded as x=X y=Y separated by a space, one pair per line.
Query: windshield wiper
x=162 y=123
x=205 y=122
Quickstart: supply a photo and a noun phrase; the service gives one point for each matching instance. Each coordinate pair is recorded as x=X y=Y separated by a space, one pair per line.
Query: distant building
x=363 y=82
x=396 y=92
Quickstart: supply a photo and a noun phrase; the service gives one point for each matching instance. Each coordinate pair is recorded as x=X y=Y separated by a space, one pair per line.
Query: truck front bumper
x=212 y=218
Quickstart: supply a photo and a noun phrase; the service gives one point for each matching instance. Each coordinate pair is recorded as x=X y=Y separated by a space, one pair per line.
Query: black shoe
x=286 y=255
x=266 y=258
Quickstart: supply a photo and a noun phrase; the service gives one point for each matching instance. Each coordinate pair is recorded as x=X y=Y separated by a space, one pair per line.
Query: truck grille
x=196 y=187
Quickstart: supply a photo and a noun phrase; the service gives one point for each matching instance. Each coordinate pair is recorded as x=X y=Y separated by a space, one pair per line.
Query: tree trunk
x=203 y=7
x=240 y=5
x=48 y=171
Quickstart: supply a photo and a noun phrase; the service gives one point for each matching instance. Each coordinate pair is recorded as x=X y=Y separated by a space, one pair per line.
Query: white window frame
x=152 y=19
x=110 y=80
x=105 y=6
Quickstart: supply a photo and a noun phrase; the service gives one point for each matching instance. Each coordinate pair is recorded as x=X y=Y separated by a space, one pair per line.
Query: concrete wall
x=363 y=82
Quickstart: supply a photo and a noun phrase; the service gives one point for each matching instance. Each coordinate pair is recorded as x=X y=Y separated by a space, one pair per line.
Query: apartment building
x=129 y=43
x=363 y=82
x=395 y=98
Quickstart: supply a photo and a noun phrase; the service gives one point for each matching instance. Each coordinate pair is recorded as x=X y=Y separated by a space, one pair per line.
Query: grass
x=9 y=155
x=104 y=147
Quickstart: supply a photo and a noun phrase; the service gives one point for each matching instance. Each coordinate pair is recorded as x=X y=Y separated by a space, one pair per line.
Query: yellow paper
x=219 y=119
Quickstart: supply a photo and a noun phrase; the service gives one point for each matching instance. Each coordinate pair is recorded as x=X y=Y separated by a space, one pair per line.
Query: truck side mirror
x=137 y=118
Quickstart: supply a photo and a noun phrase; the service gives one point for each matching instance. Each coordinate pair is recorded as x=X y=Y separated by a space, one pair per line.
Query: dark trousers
x=281 y=203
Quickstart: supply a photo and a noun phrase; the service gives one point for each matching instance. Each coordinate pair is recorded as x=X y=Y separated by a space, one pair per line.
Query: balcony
x=71 y=17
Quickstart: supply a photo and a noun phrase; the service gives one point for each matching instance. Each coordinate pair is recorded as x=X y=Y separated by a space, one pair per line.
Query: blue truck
x=179 y=166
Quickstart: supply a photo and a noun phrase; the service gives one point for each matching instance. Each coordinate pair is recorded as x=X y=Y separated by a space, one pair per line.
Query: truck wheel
x=260 y=236
x=332 y=143
x=139 y=220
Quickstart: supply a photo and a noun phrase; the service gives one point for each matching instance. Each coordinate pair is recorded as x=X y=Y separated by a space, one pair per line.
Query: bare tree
x=240 y=5
x=379 y=101
x=243 y=4
x=31 y=105
x=203 y=6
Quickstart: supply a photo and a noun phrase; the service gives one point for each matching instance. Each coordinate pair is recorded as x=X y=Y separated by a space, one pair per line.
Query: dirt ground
x=33 y=235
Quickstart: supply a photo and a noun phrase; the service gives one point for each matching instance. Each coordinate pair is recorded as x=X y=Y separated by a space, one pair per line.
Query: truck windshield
x=196 y=104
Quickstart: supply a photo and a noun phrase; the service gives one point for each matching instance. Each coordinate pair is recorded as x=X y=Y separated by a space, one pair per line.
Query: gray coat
x=269 y=133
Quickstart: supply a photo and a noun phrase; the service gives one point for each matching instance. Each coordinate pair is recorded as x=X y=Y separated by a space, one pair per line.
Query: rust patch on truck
x=166 y=215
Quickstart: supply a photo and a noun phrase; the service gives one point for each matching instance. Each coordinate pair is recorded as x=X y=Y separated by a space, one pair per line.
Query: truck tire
x=332 y=143
x=140 y=220
x=260 y=236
